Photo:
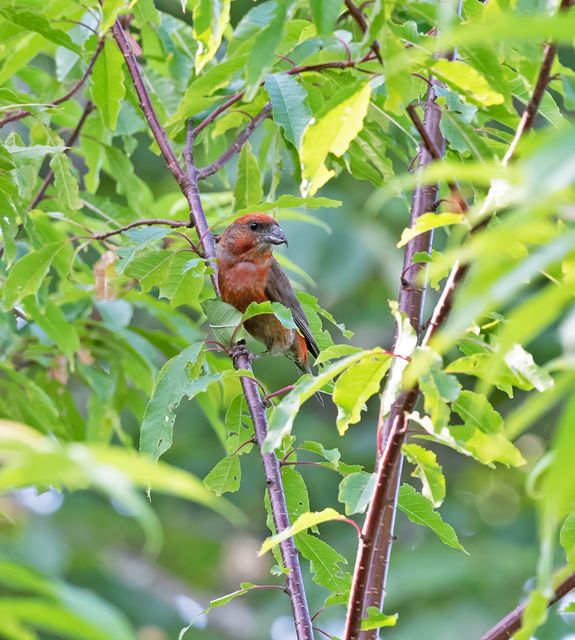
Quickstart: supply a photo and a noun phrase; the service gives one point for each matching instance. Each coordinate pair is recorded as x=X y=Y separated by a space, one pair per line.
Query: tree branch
x=236 y=145
x=372 y=561
x=188 y=181
x=23 y=113
x=368 y=586
x=71 y=142
x=294 y=579
x=320 y=66
x=542 y=81
x=139 y=223
x=357 y=14
x=506 y=627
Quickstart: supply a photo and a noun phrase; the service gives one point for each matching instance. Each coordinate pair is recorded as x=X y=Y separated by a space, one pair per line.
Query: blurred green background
x=440 y=593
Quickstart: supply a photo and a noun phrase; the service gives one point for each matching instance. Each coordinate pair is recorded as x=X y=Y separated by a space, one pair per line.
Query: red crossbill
x=248 y=272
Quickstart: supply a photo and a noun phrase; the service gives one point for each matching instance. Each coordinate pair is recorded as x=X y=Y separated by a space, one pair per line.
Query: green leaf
x=297 y=498
x=305 y=521
x=476 y=411
x=152 y=269
x=429 y=221
x=567 y=537
x=355 y=386
x=521 y=361
x=290 y=202
x=283 y=314
x=324 y=563
x=173 y=382
x=108 y=88
x=239 y=427
x=53 y=321
x=419 y=510
x=34 y=152
x=487 y=447
x=558 y=494
x=184 y=281
x=282 y=415
x=65 y=183
x=262 y=53
x=248 y=188
x=376 y=619
x=428 y=470
x=336 y=351
x=437 y=387
x=225 y=476
x=199 y=94
x=290 y=108
x=110 y=11
x=355 y=491
x=466 y=79
x=211 y=17
x=26 y=276
x=224 y=320
x=325 y=13
x=405 y=343
x=331 y=131
x=534 y=615
x=38 y=23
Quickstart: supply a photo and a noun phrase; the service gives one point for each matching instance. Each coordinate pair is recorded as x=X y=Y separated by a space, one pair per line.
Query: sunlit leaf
x=330 y=131
x=305 y=521
x=419 y=510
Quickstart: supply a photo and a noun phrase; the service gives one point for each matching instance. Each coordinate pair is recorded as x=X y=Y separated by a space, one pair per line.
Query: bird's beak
x=275 y=236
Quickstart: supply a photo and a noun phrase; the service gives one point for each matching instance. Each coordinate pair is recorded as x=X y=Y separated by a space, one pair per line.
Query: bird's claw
x=239 y=350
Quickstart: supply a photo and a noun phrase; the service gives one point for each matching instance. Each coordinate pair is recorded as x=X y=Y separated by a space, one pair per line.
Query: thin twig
x=23 y=113
x=528 y=116
x=71 y=142
x=139 y=223
x=357 y=14
x=236 y=145
x=506 y=627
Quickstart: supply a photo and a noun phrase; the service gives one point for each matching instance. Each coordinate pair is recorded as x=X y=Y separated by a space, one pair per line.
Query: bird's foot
x=239 y=350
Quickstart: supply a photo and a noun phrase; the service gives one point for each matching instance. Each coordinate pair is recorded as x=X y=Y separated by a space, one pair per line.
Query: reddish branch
x=506 y=627
x=370 y=572
x=294 y=579
x=542 y=81
x=236 y=145
x=139 y=223
x=188 y=182
x=357 y=14
x=23 y=113
x=71 y=142
x=372 y=560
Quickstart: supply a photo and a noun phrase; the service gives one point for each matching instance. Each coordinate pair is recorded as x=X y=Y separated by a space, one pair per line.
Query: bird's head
x=254 y=231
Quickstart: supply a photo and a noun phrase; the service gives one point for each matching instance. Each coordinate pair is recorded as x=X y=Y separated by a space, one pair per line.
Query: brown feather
x=278 y=289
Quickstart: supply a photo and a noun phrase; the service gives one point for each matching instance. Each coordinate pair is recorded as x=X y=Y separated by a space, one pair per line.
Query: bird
x=248 y=272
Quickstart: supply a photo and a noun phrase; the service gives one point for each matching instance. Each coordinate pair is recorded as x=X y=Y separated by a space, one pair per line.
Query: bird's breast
x=242 y=284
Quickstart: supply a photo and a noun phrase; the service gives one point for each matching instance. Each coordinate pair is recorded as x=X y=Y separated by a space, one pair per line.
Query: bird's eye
x=254 y=226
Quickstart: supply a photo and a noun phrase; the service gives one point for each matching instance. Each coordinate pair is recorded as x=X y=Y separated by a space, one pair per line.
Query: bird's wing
x=278 y=289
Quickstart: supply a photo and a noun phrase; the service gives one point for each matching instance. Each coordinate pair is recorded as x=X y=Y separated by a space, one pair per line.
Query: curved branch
x=139 y=223
x=506 y=627
x=236 y=145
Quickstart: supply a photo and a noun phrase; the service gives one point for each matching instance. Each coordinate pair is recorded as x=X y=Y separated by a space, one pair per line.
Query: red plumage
x=248 y=272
